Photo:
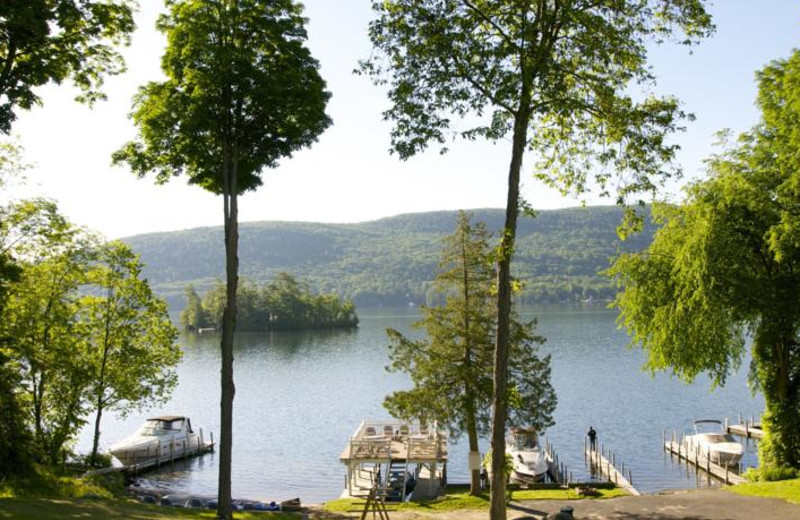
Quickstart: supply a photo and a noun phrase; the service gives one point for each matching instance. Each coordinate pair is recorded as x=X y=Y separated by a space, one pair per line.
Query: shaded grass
x=458 y=497
x=788 y=490
x=100 y=509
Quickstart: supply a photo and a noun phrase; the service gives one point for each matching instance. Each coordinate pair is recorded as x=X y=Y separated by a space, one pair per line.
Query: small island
x=282 y=304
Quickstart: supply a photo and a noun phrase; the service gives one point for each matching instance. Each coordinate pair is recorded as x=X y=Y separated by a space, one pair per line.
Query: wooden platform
x=609 y=471
x=745 y=430
x=701 y=462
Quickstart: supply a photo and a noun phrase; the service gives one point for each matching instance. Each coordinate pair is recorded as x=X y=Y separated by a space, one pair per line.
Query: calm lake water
x=299 y=396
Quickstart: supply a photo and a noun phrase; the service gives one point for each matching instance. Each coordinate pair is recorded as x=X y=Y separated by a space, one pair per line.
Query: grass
x=46 y=495
x=788 y=490
x=458 y=497
x=101 y=509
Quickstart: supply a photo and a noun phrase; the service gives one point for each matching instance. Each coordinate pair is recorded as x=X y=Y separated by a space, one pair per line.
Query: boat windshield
x=157 y=427
x=717 y=437
x=526 y=440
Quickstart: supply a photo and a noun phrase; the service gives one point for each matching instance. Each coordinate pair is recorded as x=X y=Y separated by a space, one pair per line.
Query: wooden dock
x=606 y=468
x=700 y=461
x=748 y=429
x=148 y=463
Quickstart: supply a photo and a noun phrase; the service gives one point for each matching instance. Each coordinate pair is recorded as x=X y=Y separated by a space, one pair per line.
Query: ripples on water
x=299 y=396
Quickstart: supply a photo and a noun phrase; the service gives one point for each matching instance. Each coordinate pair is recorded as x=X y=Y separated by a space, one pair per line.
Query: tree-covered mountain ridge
x=393 y=260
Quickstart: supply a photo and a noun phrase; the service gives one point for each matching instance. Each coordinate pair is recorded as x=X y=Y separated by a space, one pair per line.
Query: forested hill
x=391 y=261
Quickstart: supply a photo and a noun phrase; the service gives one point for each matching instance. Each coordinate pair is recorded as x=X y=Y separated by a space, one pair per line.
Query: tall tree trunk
x=497 y=510
x=472 y=437
x=228 y=326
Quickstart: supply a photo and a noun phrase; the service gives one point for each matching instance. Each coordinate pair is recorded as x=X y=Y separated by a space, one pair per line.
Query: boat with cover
x=168 y=436
x=530 y=460
x=712 y=442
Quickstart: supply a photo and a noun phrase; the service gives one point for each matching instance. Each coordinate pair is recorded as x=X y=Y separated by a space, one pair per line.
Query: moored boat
x=530 y=460
x=168 y=436
x=712 y=442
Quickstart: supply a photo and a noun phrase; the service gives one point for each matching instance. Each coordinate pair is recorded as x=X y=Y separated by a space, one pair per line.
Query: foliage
x=128 y=337
x=393 y=261
x=81 y=330
x=282 y=304
x=451 y=369
x=771 y=474
x=242 y=92
x=44 y=41
x=725 y=265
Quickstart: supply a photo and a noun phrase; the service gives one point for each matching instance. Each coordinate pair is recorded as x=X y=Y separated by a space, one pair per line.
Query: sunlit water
x=299 y=396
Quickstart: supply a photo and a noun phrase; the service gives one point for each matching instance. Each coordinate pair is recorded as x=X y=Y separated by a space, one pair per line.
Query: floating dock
x=700 y=461
x=601 y=464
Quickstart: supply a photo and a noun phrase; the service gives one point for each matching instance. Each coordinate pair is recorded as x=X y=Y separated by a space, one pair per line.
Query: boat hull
x=141 y=450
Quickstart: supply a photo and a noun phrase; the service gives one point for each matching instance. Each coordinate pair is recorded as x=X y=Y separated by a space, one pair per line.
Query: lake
x=300 y=395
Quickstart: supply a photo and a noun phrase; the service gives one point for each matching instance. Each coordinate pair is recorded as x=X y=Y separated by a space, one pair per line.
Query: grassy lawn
x=458 y=497
x=788 y=490
x=100 y=509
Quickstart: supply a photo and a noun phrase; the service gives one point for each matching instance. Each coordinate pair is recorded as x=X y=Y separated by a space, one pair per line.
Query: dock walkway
x=700 y=461
x=606 y=468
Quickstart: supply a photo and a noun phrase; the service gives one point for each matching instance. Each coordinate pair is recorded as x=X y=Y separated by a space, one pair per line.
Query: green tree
x=242 y=92
x=54 y=40
x=452 y=369
x=555 y=74
x=193 y=316
x=128 y=336
x=40 y=319
x=725 y=266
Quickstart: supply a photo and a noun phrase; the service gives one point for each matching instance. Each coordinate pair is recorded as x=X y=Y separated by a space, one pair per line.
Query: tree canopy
x=723 y=270
x=242 y=92
x=554 y=75
x=54 y=40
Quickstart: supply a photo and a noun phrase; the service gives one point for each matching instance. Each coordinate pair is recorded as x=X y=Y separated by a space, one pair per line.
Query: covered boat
x=530 y=460
x=168 y=436
x=712 y=442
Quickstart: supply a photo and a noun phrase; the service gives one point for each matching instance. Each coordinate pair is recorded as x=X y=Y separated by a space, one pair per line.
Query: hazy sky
x=349 y=176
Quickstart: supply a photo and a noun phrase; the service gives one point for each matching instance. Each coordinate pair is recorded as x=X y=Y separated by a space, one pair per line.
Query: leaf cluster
x=241 y=87
x=563 y=69
x=44 y=41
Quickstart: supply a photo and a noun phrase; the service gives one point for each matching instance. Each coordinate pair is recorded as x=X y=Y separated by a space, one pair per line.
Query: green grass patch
x=458 y=497
x=788 y=490
x=101 y=509
x=48 y=483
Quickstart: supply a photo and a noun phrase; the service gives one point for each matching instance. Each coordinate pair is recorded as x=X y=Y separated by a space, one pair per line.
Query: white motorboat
x=710 y=441
x=166 y=437
x=530 y=460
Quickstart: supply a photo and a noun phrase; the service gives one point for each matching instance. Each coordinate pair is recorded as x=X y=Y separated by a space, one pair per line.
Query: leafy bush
x=771 y=474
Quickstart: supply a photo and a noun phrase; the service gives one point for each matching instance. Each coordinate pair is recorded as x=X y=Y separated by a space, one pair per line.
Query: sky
x=349 y=175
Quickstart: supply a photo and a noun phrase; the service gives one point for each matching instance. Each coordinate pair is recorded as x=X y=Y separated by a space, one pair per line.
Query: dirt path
x=679 y=505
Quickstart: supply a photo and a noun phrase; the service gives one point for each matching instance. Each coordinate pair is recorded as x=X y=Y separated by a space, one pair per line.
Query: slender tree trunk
x=228 y=325
x=96 y=442
x=497 y=509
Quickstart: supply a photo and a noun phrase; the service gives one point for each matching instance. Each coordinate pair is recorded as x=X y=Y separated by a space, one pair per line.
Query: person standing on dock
x=592 y=434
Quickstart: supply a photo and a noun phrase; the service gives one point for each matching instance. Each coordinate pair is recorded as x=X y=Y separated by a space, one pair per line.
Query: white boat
x=530 y=460
x=166 y=437
x=710 y=441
